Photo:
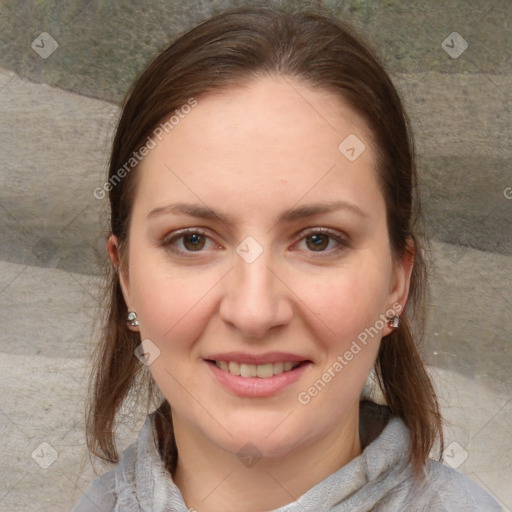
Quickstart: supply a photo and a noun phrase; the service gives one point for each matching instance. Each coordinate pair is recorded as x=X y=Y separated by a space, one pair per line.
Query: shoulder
x=139 y=482
x=103 y=493
x=442 y=488
x=447 y=490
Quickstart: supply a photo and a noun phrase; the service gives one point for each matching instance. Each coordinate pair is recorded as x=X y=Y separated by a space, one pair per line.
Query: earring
x=132 y=319
x=394 y=321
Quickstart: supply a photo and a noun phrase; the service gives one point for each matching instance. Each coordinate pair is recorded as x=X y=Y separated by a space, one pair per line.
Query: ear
x=115 y=259
x=401 y=283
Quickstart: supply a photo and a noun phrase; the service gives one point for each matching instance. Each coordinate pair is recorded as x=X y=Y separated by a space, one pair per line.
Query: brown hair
x=306 y=44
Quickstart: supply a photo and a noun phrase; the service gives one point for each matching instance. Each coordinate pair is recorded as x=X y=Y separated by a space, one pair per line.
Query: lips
x=246 y=379
x=257 y=375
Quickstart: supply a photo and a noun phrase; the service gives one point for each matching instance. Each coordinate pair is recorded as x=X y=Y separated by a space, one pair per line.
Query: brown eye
x=188 y=241
x=318 y=241
x=323 y=242
x=194 y=242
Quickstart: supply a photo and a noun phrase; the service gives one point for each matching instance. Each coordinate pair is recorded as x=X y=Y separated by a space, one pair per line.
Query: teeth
x=248 y=370
x=278 y=368
x=234 y=368
x=263 y=371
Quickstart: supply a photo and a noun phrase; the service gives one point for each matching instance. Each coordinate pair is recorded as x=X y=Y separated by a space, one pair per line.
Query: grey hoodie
x=377 y=480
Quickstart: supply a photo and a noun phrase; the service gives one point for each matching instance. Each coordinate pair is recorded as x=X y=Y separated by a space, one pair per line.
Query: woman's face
x=257 y=245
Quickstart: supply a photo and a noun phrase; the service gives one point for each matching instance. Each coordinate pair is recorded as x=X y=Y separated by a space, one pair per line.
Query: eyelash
x=342 y=241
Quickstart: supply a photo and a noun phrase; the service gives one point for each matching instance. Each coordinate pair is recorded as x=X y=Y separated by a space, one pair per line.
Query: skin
x=250 y=153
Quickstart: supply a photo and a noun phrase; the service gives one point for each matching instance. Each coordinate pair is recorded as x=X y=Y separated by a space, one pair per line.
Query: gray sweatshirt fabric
x=378 y=480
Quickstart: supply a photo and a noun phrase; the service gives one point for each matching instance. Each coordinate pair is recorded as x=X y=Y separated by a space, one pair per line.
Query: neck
x=211 y=478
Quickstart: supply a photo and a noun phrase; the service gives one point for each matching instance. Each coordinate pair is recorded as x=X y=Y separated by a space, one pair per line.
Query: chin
x=269 y=437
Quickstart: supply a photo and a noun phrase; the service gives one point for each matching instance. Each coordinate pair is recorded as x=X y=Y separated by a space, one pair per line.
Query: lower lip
x=255 y=386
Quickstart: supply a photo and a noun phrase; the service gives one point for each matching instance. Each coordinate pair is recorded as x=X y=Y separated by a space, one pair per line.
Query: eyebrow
x=288 y=216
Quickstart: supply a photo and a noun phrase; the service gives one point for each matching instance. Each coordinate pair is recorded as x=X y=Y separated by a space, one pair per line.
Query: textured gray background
x=57 y=116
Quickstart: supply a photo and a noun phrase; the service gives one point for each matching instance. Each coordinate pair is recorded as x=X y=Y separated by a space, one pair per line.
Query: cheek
x=171 y=306
x=348 y=300
x=173 y=314
x=346 y=317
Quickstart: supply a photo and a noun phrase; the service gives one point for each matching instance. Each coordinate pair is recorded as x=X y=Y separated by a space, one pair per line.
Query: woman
x=266 y=258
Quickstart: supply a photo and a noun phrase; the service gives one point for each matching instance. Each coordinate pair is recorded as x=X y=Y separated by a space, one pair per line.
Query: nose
x=255 y=300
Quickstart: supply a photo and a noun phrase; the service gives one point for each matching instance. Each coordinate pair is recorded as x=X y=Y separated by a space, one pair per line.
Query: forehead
x=271 y=140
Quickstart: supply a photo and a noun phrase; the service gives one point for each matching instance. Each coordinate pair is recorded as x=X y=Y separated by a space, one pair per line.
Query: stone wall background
x=57 y=116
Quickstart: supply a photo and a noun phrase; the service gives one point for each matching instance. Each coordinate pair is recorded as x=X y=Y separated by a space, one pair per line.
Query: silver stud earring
x=132 y=319
x=394 y=321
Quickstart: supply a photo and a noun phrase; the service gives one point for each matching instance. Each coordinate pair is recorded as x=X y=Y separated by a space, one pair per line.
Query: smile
x=263 y=371
x=248 y=379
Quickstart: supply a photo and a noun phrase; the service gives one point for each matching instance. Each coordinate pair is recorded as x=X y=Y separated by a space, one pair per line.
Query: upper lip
x=266 y=358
